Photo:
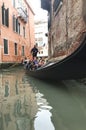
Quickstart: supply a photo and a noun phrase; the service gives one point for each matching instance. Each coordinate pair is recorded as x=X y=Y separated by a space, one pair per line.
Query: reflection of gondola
x=71 y=67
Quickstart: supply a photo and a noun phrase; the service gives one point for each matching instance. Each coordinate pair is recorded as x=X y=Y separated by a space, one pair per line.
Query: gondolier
x=34 y=51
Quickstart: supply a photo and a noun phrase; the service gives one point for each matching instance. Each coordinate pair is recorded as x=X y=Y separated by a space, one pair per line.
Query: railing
x=22 y=14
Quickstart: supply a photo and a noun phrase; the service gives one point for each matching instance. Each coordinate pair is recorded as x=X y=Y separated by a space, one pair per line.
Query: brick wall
x=68 y=26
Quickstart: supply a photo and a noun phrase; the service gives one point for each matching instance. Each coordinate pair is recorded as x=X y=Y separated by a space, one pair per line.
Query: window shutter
x=5 y=46
x=7 y=17
x=17 y=25
x=13 y=23
x=15 y=48
x=18 y=28
x=23 y=51
x=24 y=31
x=3 y=14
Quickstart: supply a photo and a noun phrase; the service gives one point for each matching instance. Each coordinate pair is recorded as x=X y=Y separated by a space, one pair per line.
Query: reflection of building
x=18 y=105
x=16 y=30
x=41 y=28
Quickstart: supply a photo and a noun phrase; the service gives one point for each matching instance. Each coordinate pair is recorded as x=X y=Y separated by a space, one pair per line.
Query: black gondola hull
x=71 y=67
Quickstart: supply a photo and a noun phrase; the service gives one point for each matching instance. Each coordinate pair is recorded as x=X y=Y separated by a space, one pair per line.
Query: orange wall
x=13 y=37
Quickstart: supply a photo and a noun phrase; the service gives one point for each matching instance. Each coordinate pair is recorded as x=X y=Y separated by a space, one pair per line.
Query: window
x=5 y=46
x=24 y=31
x=23 y=51
x=18 y=28
x=13 y=23
x=16 y=25
x=56 y=4
x=15 y=45
x=5 y=16
x=14 y=4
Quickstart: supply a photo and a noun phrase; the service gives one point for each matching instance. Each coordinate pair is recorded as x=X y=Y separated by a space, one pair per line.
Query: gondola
x=71 y=67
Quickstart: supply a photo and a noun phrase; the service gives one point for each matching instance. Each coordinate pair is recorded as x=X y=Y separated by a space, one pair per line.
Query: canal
x=30 y=104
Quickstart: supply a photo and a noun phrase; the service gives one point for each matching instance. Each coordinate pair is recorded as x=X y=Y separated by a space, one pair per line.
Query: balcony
x=22 y=14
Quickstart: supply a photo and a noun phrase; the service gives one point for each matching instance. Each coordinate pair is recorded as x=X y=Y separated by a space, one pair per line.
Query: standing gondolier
x=34 y=51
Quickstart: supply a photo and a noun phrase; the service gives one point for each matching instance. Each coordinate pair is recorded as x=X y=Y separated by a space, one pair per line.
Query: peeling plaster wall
x=67 y=26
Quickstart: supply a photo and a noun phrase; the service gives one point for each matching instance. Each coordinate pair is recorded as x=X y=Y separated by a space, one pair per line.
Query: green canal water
x=27 y=103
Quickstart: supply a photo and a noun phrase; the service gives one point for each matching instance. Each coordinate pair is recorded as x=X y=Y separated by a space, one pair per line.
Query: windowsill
x=5 y=26
x=6 y=54
x=19 y=34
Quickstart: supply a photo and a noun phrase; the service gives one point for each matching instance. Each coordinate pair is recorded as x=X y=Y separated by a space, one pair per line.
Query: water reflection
x=30 y=104
x=22 y=106
x=18 y=105
x=68 y=101
x=6 y=89
x=16 y=86
x=43 y=116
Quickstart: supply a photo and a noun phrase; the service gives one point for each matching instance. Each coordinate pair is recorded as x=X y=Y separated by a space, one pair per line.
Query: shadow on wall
x=84 y=10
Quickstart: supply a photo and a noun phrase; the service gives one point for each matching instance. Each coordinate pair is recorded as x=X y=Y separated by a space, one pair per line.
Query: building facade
x=16 y=30
x=41 y=28
x=67 y=23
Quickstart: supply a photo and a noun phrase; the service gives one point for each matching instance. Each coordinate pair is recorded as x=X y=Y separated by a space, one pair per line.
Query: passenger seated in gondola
x=25 y=62
x=41 y=62
x=35 y=63
x=30 y=65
